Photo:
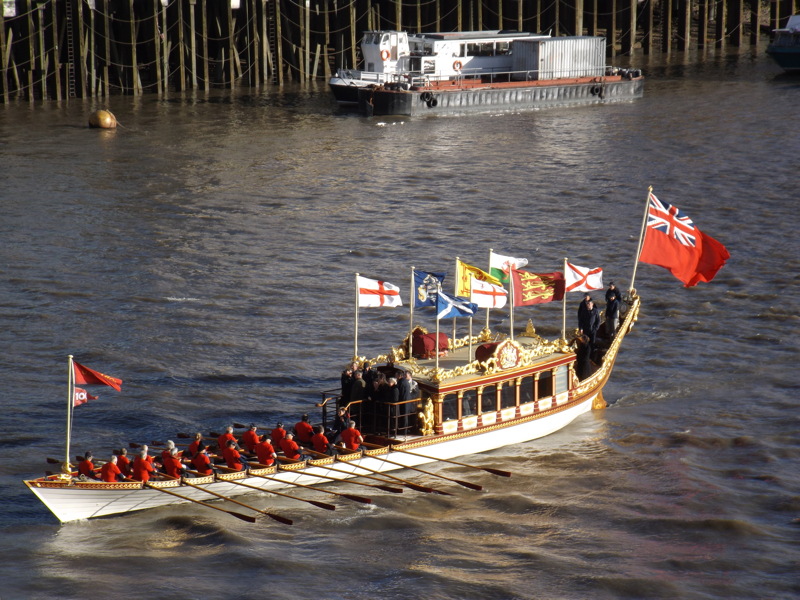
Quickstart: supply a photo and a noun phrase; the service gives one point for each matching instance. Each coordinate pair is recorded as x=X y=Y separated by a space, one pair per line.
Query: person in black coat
x=583 y=363
x=589 y=319
x=613 y=306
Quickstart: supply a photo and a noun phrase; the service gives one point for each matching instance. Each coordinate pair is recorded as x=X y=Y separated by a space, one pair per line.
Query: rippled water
x=205 y=253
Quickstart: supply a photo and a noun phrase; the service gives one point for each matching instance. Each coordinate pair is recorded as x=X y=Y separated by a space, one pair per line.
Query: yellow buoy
x=103 y=119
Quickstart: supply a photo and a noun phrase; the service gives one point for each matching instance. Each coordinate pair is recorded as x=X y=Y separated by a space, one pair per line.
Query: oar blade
x=497 y=472
x=324 y=505
x=53 y=461
x=240 y=425
x=279 y=519
x=420 y=488
x=238 y=515
x=467 y=484
x=387 y=488
x=361 y=499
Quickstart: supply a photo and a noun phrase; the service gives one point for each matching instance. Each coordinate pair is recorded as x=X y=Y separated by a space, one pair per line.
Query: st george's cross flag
x=372 y=292
x=452 y=306
x=487 y=295
x=82 y=397
x=582 y=279
x=87 y=376
x=500 y=266
x=672 y=241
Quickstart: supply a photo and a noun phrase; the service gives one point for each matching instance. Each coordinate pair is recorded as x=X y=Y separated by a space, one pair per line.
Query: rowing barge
x=489 y=391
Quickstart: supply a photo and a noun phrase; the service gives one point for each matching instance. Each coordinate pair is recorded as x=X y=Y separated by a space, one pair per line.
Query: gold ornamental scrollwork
x=425 y=418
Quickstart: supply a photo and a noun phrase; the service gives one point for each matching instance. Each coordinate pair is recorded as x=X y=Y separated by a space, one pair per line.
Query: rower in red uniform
x=201 y=461
x=86 y=467
x=173 y=465
x=250 y=439
x=304 y=430
x=265 y=451
x=277 y=435
x=123 y=463
x=110 y=472
x=195 y=445
x=142 y=467
x=233 y=458
x=320 y=441
x=290 y=447
x=352 y=437
x=165 y=453
x=226 y=437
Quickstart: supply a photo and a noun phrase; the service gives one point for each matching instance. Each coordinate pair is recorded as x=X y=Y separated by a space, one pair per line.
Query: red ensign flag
x=85 y=375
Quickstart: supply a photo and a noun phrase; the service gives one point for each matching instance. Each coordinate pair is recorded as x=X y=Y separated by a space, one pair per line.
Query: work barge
x=62 y=49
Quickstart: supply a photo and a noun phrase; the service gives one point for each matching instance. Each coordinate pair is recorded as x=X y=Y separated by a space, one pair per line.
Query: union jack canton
x=668 y=219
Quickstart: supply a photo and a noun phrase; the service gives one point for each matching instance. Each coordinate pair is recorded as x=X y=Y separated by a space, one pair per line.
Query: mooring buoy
x=103 y=119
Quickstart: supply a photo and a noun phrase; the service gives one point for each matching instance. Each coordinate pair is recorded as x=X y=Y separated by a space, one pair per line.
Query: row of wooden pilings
x=59 y=49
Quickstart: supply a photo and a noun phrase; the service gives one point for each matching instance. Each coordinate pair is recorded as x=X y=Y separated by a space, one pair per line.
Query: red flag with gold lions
x=537 y=288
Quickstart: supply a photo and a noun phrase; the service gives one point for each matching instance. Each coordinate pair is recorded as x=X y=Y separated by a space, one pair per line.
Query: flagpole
x=469 y=356
x=511 y=311
x=411 y=313
x=355 y=335
x=455 y=294
x=70 y=401
x=437 y=338
x=641 y=235
x=564 y=305
x=491 y=250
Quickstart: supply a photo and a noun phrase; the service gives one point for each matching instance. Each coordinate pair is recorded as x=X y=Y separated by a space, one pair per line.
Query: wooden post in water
x=157 y=46
x=56 y=62
x=181 y=47
x=5 y=52
x=106 y=50
x=685 y=24
x=231 y=44
x=254 y=67
x=398 y=15
x=193 y=43
x=578 y=15
x=755 y=23
x=81 y=52
x=279 y=41
x=165 y=45
x=204 y=33
x=647 y=27
x=628 y=38
x=736 y=22
x=42 y=54
x=31 y=48
x=353 y=35
x=307 y=41
x=134 y=66
x=702 y=23
x=666 y=26
x=721 y=20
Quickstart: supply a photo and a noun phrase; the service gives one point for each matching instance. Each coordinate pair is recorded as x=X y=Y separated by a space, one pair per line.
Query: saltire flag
x=82 y=397
x=464 y=274
x=537 y=288
x=372 y=292
x=672 y=241
x=500 y=266
x=426 y=287
x=583 y=279
x=87 y=376
x=450 y=306
x=487 y=295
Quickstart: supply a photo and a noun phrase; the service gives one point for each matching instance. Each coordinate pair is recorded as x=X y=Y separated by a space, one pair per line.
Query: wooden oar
x=466 y=484
x=487 y=469
x=385 y=488
x=247 y=518
x=408 y=484
x=324 y=505
x=272 y=516
x=352 y=497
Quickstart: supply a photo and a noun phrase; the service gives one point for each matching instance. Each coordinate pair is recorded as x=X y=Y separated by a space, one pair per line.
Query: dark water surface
x=205 y=251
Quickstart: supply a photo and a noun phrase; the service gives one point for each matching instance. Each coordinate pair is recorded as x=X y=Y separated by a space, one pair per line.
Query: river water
x=205 y=253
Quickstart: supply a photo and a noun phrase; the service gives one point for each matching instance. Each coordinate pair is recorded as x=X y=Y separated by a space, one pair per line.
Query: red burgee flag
x=85 y=376
x=672 y=241
x=537 y=288
x=82 y=397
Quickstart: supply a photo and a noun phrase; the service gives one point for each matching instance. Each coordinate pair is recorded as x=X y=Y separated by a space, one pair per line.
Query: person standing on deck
x=613 y=306
x=589 y=319
x=359 y=390
x=347 y=381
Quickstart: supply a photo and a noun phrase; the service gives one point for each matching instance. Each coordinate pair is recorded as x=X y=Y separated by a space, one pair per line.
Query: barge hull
x=380 y=101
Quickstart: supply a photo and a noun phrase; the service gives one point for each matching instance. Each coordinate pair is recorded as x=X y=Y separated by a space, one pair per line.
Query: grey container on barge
x=557 y=58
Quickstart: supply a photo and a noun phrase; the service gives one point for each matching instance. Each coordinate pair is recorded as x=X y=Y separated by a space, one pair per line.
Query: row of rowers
x=197 y=461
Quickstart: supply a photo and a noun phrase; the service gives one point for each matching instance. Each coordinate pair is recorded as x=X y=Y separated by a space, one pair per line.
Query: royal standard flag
x=465 y=272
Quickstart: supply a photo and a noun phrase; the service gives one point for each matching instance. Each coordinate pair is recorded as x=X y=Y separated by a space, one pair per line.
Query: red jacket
x=124 y=465
x=350 y=438
x=231 y=456
x=290 y=448
x=277 y=435
x=305 y=431
x=86 y=467
x=142 y=469
x=109 y=472
x=249 y=440
x=172 y=466
x=265 y=452
x=320 y=442
x=202 y=464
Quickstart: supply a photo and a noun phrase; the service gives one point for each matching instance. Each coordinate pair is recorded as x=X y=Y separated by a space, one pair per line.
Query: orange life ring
x=457 y=65
x=385 y=55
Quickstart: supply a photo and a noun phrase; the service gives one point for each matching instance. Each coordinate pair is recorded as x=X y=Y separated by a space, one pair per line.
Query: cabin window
x=502 y=47
x=489 y=399
x=545 y=384
x=526 y=390
x=449 y=407
x=469 y=403
x=562 y=379
x=508 y=395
